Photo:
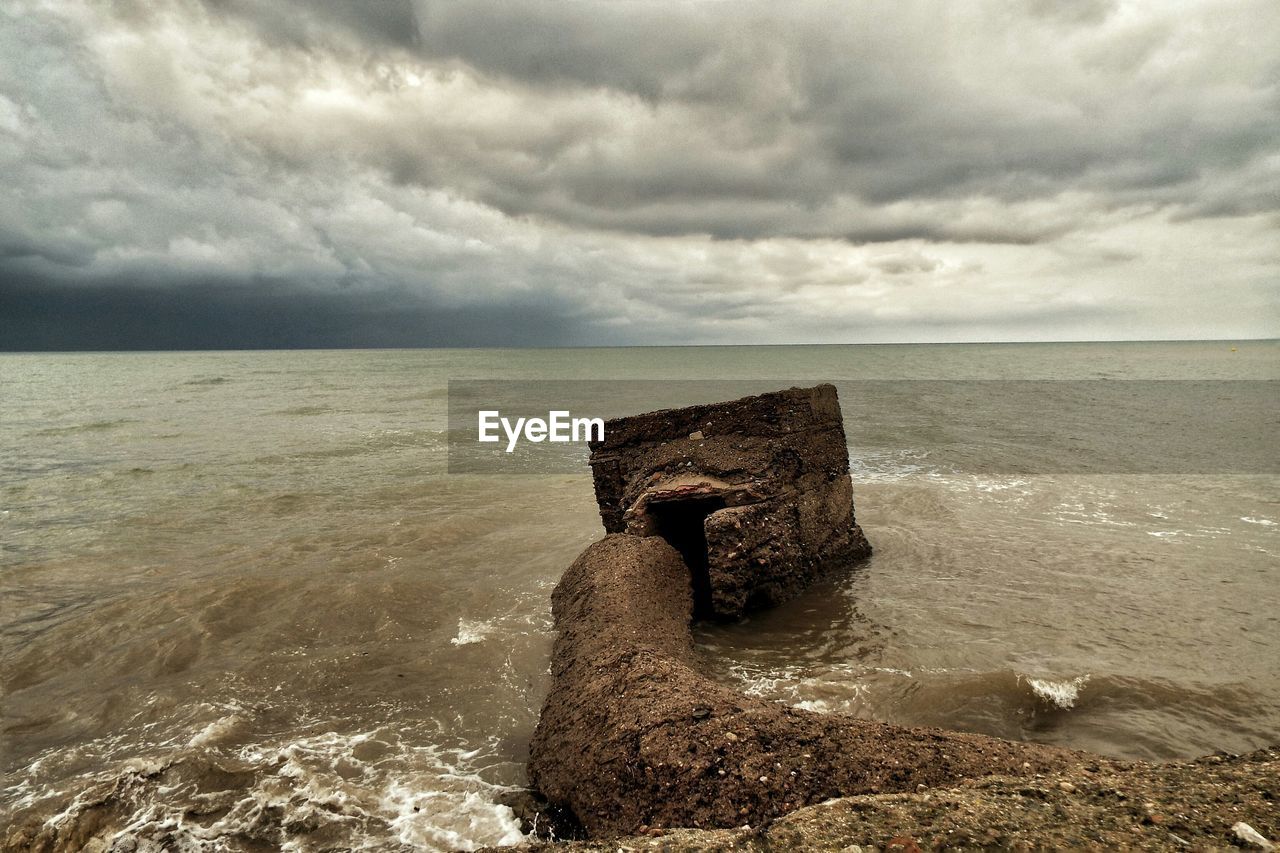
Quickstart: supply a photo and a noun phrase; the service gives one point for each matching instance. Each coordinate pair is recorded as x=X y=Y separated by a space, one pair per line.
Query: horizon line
x=636 y=346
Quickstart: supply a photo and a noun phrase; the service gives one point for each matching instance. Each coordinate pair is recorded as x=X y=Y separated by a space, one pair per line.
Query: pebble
x=1251 y=836
x=1067 y=787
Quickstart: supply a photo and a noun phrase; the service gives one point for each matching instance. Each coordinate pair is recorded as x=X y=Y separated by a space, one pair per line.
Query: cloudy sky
x=205 y=173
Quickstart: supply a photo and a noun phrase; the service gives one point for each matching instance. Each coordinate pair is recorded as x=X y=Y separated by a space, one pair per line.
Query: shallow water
x=256 y=563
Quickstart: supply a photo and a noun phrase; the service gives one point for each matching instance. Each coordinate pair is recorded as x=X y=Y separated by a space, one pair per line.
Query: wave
x=367 y=791
x=1060 y=694
x=372 y=442
x=93 y=426
x=472 y=631
x=886 y=466
x=1091 y=710
x=306 y=411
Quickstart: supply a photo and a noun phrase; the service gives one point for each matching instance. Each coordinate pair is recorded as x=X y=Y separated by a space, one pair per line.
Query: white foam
x=1265 y=522
x=870 y=466
x=1061 y=694
x=818 y=706
x=990 y=486
x=215 y=731
x=472 y=631
x=767 y=684
x=440 y=820
x=372 y=789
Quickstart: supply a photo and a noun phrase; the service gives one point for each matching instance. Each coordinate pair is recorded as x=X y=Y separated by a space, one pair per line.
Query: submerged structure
x=710 y=511
x=754 y=493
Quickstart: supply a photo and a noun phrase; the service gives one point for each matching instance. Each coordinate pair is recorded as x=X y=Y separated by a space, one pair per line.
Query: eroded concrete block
x=748 y=500
x=634 y=736
x=754 y=493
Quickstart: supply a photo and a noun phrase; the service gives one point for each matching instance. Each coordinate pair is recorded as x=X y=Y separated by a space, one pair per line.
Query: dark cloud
x=790 y=105
x=382 y=23
x=643 y=171
x=40 y=315
x=775 y=120
x=640 y=48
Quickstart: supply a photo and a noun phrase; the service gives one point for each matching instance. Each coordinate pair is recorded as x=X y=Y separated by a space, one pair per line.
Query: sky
x=292 y=173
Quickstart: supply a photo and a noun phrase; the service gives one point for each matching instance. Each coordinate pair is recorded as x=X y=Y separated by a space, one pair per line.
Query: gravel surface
x=1198 y=805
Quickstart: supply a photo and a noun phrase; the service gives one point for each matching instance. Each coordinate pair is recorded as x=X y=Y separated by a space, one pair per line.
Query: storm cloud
x=397 y=173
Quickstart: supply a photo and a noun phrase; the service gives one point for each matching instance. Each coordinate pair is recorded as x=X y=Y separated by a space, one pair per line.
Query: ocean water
x=243 y=602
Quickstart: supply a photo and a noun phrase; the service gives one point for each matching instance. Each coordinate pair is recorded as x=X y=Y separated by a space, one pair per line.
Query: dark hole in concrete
x=683 y=524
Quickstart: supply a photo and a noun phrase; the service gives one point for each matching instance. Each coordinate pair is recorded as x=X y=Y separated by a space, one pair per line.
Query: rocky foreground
x=1219 y=802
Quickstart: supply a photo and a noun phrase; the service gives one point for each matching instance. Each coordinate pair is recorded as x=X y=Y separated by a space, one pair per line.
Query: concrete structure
x=754 y=493
x=712 y=510
x=633 y=736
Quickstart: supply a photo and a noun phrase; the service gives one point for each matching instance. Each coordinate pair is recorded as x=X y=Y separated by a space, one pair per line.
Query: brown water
x=256 y=563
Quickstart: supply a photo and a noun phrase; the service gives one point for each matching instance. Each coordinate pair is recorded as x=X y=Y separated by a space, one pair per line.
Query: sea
x=246 y=602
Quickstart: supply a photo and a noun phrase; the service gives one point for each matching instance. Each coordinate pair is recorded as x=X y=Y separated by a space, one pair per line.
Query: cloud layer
x=250 y=172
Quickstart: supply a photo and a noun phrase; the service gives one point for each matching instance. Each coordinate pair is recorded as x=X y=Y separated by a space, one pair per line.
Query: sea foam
x=472 y=631
x=1060 y=694
x=369 y=791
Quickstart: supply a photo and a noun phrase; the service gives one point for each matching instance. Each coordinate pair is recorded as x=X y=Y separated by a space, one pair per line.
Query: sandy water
x=256 y=565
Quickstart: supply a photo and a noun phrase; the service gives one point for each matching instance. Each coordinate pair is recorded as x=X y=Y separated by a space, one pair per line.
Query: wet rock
x=618 y=744
x=632 y=734
x=991 y=814
x=539 y=818
x=754 y=493
x=633 y=738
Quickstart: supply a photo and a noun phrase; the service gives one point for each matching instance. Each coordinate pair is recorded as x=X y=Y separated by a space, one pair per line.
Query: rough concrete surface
x=713 y=510
x=755 y=493
x=1184 y=806
x=632 y=736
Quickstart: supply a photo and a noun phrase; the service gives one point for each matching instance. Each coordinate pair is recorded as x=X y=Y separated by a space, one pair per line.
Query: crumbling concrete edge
x=1211 y=803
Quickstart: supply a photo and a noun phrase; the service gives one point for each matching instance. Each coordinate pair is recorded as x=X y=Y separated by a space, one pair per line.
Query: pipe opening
x=683 y=524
